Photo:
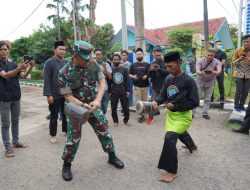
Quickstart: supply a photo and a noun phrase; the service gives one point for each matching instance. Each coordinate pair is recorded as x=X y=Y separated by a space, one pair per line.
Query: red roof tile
x=159 y=36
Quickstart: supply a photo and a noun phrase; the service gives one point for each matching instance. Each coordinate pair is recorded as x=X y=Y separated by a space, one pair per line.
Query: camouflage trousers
x=99 y=123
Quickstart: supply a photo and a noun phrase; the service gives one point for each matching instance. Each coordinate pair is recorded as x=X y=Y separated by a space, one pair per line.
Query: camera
x=27 y=58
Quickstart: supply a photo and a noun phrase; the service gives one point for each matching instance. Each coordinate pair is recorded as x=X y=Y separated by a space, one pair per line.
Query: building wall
x=247 y=24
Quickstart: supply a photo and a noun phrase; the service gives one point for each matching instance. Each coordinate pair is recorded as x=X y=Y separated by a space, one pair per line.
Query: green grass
x=230 y=87
x=233 y=125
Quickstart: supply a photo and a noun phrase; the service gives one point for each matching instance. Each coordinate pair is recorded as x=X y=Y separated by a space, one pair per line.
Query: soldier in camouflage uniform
x=82 y=83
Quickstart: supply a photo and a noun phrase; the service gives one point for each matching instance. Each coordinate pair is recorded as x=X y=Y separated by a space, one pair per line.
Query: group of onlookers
x=124 y=81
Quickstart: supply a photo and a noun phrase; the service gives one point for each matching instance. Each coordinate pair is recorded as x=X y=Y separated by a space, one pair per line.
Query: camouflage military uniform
x=82 y=84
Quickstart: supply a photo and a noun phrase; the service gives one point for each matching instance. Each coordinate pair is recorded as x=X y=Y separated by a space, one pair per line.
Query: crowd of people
x=90 y=82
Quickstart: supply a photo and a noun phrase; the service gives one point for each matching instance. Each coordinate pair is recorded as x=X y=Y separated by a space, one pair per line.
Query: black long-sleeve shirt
x=51 y=70
x=181 y=91
x=119 y=82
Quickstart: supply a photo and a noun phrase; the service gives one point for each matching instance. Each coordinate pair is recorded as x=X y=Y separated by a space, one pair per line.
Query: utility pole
x=206 y=29
x=78 y=33
x=139 y=23
x=74 y=19
x=124 y=26
x=58 y=21
x=240 y=23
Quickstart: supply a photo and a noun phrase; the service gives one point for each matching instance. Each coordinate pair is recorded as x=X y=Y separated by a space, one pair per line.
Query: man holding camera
x=82 y=83
x=51 y=89
x=207 y=69
x=10 y=95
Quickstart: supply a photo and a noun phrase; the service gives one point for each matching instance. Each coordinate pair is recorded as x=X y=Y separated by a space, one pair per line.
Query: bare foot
x=167 y=177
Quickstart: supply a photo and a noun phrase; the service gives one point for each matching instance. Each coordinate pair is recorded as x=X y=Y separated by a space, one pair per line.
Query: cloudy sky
x=158 y=13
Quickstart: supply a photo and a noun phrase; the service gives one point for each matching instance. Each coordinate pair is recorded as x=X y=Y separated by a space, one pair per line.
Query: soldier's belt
x=78 y=112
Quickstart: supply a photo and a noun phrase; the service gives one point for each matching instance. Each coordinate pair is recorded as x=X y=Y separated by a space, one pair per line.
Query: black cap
x=157 y=48
x=58 y=43
x=172 y=56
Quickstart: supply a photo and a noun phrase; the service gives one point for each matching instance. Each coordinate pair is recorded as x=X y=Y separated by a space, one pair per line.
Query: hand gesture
x=22 y=66
x=50 y=100
x=144 y=77
x=94 y=105
x=170 y=106
x=155 y=105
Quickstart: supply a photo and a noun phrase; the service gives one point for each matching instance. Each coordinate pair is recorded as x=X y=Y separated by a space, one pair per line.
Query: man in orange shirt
x=242 y=74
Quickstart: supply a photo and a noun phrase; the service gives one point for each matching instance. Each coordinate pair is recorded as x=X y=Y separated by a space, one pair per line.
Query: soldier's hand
x=155 y=105
x=95 y=104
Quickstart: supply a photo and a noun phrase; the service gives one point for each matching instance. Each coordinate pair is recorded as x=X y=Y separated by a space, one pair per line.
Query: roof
x=158 y=36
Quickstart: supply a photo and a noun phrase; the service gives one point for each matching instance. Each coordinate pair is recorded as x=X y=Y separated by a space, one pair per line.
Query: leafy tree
x=60 y=8
x=234 y=34
x=181 y=39
x=103 y=37
x=20 y=48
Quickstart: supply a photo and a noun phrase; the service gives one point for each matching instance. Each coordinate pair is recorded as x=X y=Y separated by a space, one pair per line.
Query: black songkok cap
x=58 y=43
x=172 y=56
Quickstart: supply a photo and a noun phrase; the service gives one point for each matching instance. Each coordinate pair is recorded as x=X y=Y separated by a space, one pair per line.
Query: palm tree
x=59 y=7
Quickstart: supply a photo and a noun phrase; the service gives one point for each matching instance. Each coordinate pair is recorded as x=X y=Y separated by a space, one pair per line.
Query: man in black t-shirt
x=221 y=56
x=139 y=74
x=119 y=89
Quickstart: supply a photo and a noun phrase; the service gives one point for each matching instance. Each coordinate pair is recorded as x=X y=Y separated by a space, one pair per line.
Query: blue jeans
x=105 y=102
x=10 y=111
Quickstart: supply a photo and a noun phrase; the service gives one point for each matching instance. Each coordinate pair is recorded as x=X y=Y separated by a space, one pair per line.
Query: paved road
x=221 y=163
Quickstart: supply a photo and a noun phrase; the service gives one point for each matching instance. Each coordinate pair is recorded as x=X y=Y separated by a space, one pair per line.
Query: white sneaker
x=116 y=124
x=53 y=140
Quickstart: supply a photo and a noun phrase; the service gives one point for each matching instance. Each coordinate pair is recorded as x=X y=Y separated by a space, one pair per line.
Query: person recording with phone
x=10 y=95
x=207 y=69
x=241 y=63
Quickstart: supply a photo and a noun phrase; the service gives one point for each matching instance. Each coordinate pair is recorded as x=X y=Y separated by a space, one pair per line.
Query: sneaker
x=207 y=117
x=19 y=145
x=116 y=124
x=52 y=140
x=66 y=172
x=9 y=153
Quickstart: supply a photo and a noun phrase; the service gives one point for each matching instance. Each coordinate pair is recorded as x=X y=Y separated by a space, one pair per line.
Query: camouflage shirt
x=82 y=83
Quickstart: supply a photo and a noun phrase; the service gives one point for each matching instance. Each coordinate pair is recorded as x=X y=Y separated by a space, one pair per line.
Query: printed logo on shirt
x=118 y=78
x=172 y=90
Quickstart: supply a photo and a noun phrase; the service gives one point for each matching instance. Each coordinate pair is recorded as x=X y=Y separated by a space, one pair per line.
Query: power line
x=235 y=6
x=26 y=19
x=228 y=12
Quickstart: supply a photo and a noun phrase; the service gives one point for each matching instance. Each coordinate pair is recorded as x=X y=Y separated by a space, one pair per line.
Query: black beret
x=172 y=56
x=58 y=43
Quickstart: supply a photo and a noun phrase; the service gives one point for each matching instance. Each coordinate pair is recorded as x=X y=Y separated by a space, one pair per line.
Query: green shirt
x=82 y=83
